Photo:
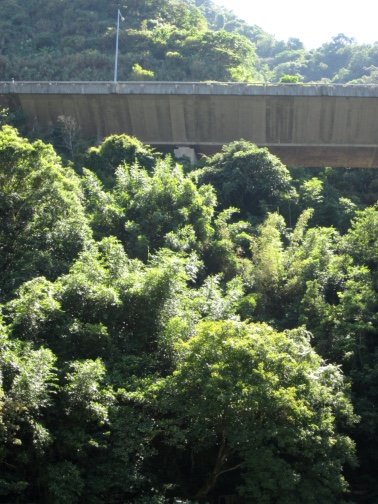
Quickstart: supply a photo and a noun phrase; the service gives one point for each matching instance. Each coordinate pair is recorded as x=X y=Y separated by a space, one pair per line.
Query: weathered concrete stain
x=306 y=125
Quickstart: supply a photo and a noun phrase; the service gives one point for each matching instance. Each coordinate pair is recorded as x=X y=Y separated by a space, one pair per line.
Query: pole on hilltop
x=119 y=18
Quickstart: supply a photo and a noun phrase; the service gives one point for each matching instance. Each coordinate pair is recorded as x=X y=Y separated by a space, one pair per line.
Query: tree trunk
x=223 y=453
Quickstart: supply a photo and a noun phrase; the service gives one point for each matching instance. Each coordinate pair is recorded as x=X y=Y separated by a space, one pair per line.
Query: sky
x=314 y=23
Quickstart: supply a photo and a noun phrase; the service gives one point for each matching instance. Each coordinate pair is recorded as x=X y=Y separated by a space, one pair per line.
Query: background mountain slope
x=163 y=40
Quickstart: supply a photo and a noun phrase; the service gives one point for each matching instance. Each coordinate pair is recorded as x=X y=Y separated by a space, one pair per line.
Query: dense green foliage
x=164 y=40
x=339 y=60
x=173 y=335
x=161 y=39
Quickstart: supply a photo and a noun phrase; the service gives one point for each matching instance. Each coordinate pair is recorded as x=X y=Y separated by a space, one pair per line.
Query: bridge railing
x=188 y=88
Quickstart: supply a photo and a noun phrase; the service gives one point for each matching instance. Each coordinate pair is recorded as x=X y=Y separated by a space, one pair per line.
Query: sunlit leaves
x=43 y=225
x=84 y=391
x=159 y=389
x=264 y=398
x=249 y=178
x=162 y=207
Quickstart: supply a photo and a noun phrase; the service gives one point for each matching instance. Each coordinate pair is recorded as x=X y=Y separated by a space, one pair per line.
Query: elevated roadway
x=306 y=125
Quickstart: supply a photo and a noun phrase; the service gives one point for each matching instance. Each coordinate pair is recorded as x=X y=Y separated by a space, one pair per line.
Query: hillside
x=163 y=40
x=170 y=335
x=337 y=60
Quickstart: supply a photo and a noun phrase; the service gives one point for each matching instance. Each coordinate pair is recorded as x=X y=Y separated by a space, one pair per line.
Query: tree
x=362 y=239
x=245 y=399
x=27 y=386
x=141 y=74
x=68 y=133
x=248 y=178
x=290 y=79
x=116 y=150
x=228 y=252
x=162 y=208
x=42 y=220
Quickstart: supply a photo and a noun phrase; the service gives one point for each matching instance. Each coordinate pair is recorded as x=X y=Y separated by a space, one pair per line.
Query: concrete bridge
x=305 y=125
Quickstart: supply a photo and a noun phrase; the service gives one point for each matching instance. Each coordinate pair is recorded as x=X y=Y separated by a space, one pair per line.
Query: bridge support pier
x=186 y=152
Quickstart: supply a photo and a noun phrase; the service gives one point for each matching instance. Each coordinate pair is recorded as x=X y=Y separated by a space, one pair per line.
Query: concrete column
x=186 y=152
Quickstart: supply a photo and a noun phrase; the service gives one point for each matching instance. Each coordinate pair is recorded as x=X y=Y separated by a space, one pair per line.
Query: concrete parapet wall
x=306 y=125
x=188 y=88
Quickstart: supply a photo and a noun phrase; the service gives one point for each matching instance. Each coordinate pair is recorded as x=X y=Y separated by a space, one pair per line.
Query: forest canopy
x=176 y=40
x=164 y=340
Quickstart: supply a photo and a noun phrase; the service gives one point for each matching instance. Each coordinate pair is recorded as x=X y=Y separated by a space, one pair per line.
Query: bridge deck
x=306 y=125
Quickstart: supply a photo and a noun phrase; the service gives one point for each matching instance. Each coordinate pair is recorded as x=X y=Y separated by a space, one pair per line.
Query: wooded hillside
x=171 y=335
x=163 y=40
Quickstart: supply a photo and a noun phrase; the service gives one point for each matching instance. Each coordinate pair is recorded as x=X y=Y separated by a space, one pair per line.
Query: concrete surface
x=306 y=125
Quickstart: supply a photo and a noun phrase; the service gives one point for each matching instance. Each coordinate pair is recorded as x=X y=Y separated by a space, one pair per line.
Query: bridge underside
x=300 y=156
x=303 y=128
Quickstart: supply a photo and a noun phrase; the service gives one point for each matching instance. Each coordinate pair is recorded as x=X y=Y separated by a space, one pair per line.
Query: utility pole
x=119 y=18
